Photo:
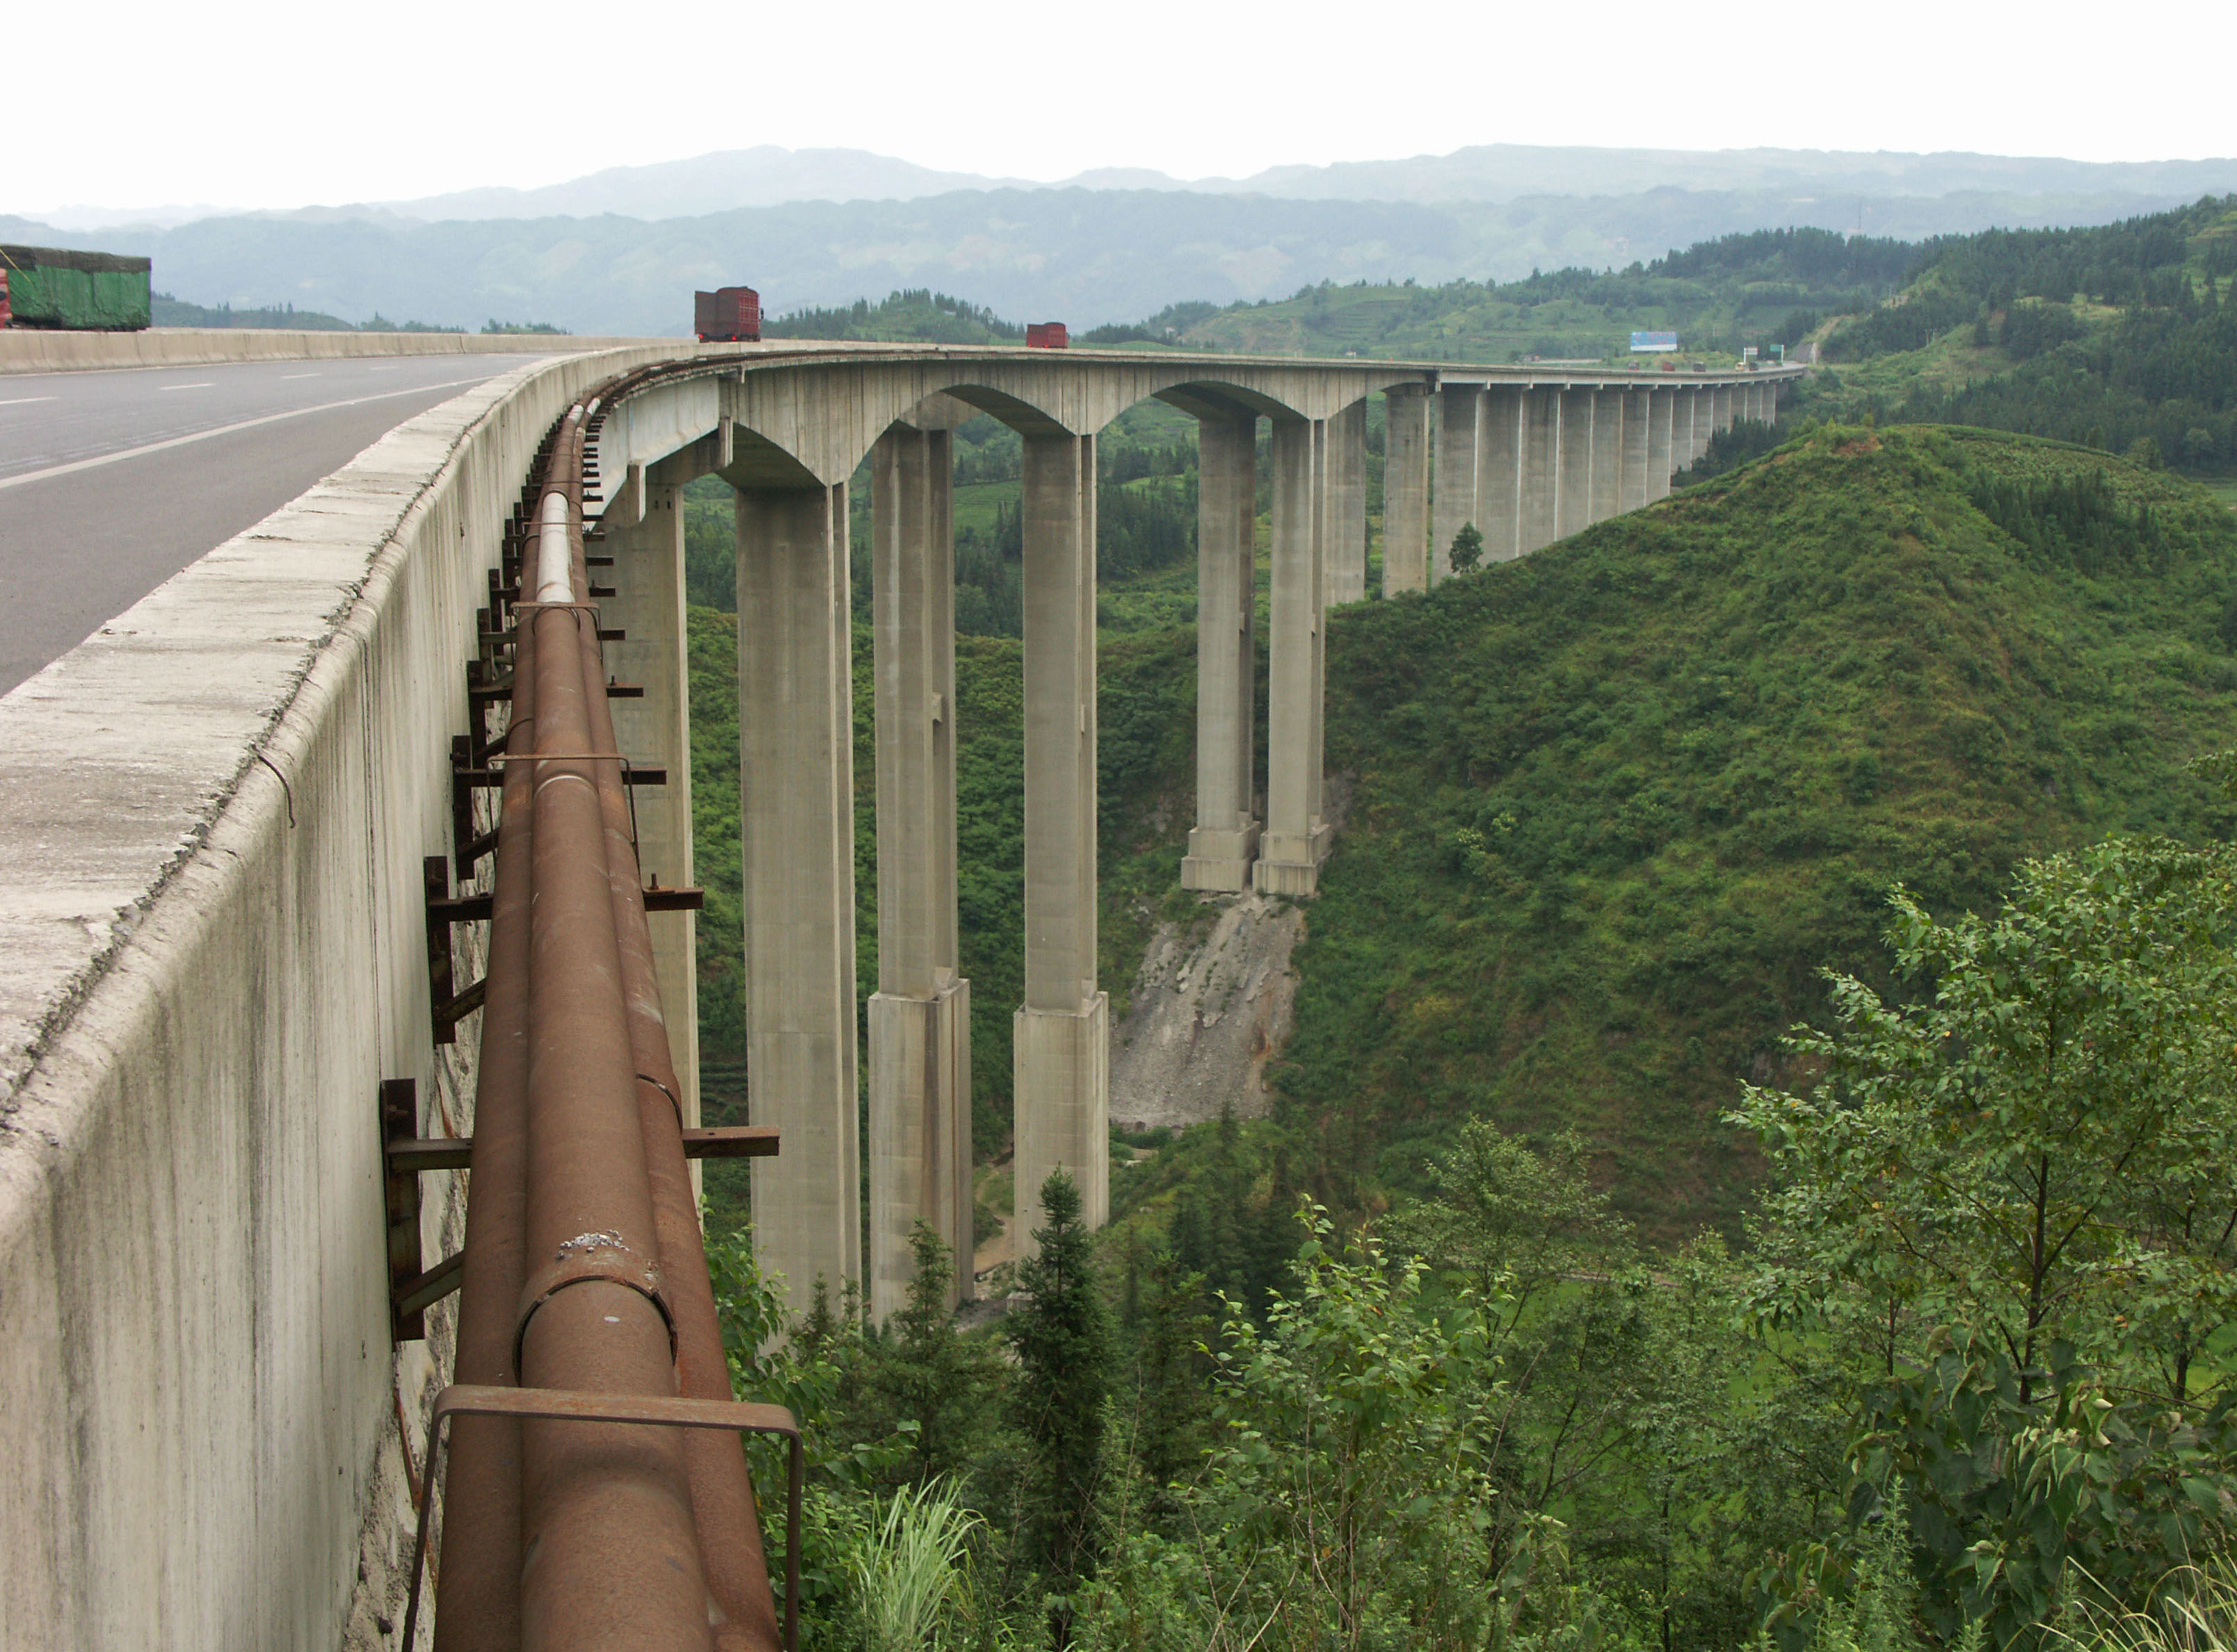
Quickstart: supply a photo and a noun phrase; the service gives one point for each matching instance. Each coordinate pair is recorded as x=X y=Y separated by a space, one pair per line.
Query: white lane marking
x=204 y=385
x=393 y=369
x=286 y=376
x=224 y=430
x=19 y=402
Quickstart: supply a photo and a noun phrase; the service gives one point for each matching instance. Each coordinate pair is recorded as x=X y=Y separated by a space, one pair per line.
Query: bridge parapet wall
x=211 y=952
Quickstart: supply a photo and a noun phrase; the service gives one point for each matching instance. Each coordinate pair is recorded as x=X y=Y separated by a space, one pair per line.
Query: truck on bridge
x=727 y=315
x=54 y=286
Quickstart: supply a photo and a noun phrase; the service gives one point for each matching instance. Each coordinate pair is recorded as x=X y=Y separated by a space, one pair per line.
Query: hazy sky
x=264 y=104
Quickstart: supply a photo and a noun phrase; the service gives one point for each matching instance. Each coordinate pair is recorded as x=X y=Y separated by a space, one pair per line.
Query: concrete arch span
x=826 y=414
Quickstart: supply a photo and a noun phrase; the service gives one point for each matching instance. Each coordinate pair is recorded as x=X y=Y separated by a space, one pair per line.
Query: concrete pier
x=797 y=838
x=1062 y=1071
x=1347 y=556
x=1457 y=407
x=1405 y=490
x=1296 y=841
x=1608 y=454
x=656 y=731
x=919 y=1017
x=1631 y=488
x=1224 y=840
x=1661 y=455
x=1573 y=494
x=1723 y=402
x=1499 y=472
x=1541 y=468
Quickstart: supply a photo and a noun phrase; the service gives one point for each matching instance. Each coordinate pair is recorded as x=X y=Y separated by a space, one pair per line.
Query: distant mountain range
x=769 y=176
x=618 y=251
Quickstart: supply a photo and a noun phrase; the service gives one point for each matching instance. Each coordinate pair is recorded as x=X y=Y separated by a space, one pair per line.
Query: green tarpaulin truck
x=84 y=291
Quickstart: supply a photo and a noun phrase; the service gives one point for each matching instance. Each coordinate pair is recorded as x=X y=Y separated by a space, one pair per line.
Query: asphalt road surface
x=112 y=482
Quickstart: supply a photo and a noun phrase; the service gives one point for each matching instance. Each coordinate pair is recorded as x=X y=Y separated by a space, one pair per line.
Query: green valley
x=1752 y=918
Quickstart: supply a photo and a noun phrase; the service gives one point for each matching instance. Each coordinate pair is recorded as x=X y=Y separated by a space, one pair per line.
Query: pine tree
x=1467 y=547
x=1059 y=1397
x=1170 y=1396
x=933 y=1377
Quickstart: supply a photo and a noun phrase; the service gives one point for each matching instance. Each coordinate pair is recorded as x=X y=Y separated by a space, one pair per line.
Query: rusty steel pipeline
x=477 y=1592
x=586 y=1271
x=721 y=1493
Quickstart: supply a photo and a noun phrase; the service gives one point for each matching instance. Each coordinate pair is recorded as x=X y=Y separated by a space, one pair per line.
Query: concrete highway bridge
x=336 y=865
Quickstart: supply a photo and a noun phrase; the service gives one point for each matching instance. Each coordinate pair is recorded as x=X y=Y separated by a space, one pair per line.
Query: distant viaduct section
x=217 y=813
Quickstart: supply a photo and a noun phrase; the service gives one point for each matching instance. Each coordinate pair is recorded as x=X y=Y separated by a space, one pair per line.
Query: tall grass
x=909 y=1568
x=2194 y=1611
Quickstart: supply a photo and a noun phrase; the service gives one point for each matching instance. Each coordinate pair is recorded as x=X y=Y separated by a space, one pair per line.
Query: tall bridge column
x=1405 y=489
x=1574 y=494
x=1499 y=471
x=1296 y=841
x=656 y=730
x=1683 y=425
x=1631 y=489
x=1722 y=398
x=1541 y=468
x=921 y=1015
x=1347 y=467
x=796 y=837
x=1608 y=454
x=1661 y=455
x=1062 y=1073
x=1770 y=402
x=1456 y=499
x=1224 y=840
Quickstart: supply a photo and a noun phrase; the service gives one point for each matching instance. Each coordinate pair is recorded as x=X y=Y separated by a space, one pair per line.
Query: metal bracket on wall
x=448 y=1006
x=412 y=1291
x=447 y=1003
x=414 y=1157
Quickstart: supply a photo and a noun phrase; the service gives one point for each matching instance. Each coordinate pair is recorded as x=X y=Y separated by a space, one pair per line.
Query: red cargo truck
x=727 y=315
x=1046 y=335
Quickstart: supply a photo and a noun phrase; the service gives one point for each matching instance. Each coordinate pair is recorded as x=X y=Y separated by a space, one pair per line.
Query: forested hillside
x=1616 y=803
x=2123 y=337
x=1619 y=802
x=1718 y=296
x=1614 y=807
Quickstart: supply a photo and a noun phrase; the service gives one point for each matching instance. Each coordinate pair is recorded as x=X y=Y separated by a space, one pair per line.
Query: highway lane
x=112 y=482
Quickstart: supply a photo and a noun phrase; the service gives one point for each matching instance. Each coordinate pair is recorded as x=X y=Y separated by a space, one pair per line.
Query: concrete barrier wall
x=211 y=952
x=37 y=350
